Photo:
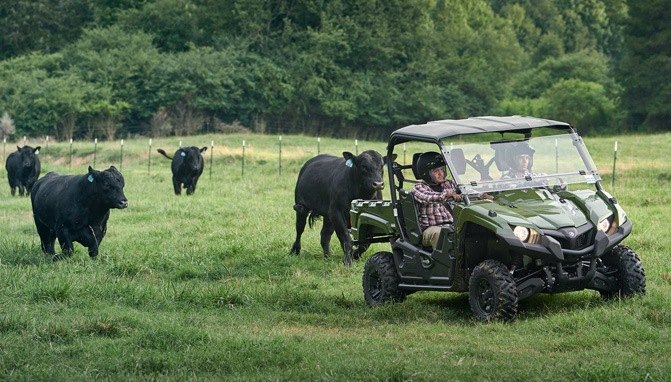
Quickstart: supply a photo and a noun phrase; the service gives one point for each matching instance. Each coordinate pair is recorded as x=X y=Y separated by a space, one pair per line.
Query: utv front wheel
x=492 y=292
x=630 y=273
x=380 y=280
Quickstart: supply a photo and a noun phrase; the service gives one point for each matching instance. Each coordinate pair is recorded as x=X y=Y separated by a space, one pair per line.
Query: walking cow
x=187 y=166
x=76 y=208
x=23 y=168
x=326 y=187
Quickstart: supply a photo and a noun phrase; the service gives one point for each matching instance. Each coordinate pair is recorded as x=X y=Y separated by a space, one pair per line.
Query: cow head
x=368 y=168
x=191 y=157
x=108 y=185
x=28 y=155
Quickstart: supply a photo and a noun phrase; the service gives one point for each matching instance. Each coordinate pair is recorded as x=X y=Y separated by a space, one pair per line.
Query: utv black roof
x=436 y=130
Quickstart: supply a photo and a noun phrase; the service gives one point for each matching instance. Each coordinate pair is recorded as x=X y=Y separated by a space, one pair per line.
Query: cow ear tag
x=90 y=178
x=182 y=154
x=349 y=163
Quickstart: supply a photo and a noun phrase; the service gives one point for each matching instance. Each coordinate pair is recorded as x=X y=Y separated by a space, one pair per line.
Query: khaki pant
x=430 y=236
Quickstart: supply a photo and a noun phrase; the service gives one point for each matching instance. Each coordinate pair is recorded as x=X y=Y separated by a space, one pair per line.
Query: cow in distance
x=326 y=186
x=23 y=169
x=187 y=166
x=75 y=208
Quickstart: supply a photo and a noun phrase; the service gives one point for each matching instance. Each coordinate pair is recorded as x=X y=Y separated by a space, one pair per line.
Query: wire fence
x=244 y=160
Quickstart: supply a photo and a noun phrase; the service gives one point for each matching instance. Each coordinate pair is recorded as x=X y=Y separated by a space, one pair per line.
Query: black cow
x=76 y=208
x=326 y=187
x=23 y=168
x=187 y=166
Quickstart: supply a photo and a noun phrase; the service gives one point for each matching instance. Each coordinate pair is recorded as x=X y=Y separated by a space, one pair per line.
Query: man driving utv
x=431 y=195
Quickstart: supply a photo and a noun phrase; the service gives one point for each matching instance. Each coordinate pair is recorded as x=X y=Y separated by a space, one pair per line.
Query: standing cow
x=23 y=168
x=187 y=166
x=76 y=208
x=326 y=187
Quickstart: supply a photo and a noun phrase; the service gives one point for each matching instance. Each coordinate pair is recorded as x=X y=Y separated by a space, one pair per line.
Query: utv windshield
x=519 y=161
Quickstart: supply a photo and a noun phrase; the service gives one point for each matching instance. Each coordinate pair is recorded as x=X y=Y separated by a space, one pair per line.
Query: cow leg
x=360 y=249
x=47 y=238
x=192 y=187
x=65 y=241
x=22 y=189
x=326 y=233
x=341 y=230
x=176 y=185
x=13 y=190
x=88 y=237
x=301 y=218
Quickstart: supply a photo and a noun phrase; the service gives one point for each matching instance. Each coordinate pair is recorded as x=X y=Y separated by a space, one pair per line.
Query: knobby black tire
x=630 y=273
x=380 y=280
x=492 y=292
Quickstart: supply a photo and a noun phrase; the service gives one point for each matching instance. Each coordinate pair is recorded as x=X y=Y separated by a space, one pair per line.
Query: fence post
x=317 y=145
x=24 y=140
x=4 y=143
x=180 y=144
x=280 y=157
x=243 y=157
x=356 y=147
x=121 y=160
x=149 y=158
x=556 y=157
x=211 y=154
x=612 y=184
x=404 y=154
x=70 y=162
x=95 y=151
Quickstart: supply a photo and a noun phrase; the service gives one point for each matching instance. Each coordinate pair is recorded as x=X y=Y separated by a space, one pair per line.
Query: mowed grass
x=202 y=287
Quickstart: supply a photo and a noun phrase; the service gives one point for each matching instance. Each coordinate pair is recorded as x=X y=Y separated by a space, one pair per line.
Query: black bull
x=187 y=166
x=23 y=168
x=326 y=187
x=75 y=208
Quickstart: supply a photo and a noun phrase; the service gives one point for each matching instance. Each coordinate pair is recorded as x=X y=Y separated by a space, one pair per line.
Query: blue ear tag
x=90 y=178
x=182 y=154
x=349 y=163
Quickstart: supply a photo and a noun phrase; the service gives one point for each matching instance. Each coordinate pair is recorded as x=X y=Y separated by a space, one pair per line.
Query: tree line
x=99 y=68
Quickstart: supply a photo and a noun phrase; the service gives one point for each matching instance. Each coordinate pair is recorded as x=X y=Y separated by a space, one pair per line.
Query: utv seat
x=410 y=217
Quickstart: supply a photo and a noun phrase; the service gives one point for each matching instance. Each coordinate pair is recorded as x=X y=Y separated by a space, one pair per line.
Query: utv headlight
x=604 y=224
x=526 y=235
x=522 y=233
x=608 y=225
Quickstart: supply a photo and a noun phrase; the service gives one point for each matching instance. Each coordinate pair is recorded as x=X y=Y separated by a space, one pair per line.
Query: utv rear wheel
x=630 y=273
x=380 y=280
x=492 y=292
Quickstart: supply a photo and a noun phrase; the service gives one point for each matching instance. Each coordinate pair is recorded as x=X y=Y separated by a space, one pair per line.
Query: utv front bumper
x=550 y=251
x=562 y=269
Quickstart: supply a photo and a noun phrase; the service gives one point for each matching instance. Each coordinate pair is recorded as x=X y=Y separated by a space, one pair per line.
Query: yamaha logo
x=571 y=234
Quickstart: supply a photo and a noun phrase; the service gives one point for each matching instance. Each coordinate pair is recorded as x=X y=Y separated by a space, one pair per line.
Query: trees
x=645 y=69
x=339 y=67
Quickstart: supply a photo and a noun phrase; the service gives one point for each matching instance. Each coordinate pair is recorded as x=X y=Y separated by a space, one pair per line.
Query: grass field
x=203 y=288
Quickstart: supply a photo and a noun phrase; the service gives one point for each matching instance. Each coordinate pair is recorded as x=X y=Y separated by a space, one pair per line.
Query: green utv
x=552 y=229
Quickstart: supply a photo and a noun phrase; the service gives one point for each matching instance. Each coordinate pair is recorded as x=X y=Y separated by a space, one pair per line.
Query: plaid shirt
x=432 y=210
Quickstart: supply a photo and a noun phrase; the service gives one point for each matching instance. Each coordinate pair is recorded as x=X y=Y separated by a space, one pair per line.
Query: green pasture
x=202 y=287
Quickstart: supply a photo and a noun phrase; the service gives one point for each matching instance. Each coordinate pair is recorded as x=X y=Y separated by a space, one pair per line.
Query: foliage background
x=98 y=68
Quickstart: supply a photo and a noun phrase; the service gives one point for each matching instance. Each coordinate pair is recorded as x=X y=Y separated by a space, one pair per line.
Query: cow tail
x=162 y=152
x=312 y=217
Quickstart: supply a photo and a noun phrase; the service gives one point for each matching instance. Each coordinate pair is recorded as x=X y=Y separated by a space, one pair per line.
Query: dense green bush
x=341 y=67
